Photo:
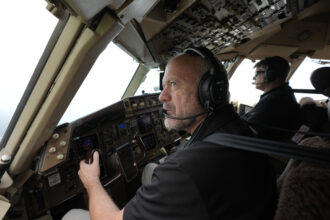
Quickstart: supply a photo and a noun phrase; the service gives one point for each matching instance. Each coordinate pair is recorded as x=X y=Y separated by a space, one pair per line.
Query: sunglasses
x=258 y=72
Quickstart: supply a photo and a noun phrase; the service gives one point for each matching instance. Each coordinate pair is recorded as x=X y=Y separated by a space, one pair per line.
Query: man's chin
x=173 y=124
x=169 y=124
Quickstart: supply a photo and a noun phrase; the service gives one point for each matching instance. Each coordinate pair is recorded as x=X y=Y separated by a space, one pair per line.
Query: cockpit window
x=301 y=78
x=242 y=88
x=241 y=84
x=150 y=83
x=104 y=85
x=23 y=40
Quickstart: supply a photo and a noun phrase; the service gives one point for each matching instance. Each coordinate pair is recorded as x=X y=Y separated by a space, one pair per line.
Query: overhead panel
x=159 y=18
x=217 y=24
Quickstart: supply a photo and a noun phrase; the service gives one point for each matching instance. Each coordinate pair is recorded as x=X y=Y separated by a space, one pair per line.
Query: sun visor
x=267 y=50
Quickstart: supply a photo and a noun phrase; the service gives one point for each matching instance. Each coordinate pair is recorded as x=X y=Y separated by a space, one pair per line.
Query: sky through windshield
x=26 y=29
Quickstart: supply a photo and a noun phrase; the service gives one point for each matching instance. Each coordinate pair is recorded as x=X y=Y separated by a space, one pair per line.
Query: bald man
x=202 y=180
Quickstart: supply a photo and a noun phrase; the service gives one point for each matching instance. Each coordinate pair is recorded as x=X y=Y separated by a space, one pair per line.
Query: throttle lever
x=89 y=156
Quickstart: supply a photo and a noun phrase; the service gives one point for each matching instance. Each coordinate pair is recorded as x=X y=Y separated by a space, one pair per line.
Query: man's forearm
x=101 y=205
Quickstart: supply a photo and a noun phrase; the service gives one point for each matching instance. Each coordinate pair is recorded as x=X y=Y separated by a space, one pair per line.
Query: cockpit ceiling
x=216 y=24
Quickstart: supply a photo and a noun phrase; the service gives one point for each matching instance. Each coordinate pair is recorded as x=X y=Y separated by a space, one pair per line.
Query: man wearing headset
x=277 y=114
x=202 y=180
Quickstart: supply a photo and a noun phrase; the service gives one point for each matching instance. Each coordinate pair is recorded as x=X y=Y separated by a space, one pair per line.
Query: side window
x=240 y=85
x=150 y=83
x=242 y=90
x=301 y=78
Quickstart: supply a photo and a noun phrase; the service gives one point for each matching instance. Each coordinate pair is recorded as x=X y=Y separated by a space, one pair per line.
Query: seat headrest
x=320 y=79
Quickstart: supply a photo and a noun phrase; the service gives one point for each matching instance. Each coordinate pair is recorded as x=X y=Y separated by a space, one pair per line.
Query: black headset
x=213 y=86
x=269 y=72
x=275 y=67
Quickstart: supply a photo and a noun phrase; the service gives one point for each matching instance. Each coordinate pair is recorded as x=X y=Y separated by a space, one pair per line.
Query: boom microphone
x=254 y=83
x=184 y=118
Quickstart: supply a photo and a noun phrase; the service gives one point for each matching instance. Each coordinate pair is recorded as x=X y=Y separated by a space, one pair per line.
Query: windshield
x=20 y=55
x=104 y=85
x=150 y=83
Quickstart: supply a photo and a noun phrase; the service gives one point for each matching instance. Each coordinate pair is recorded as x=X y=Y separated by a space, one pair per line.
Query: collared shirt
x=207 y=181
x=277 y=109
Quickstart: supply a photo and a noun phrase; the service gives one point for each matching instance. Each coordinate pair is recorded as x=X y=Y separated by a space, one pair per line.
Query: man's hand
x=90 y=173
x=101 y=205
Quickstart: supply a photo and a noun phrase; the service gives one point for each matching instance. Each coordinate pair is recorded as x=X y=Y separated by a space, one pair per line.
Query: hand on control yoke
x=89 y=171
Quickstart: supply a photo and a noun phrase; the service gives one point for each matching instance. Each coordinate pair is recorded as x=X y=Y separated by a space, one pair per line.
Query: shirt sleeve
x=261 y=113
x=170 y=195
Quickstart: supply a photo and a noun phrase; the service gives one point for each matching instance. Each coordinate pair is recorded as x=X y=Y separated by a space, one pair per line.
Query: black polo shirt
x=276 y=111
x=208 y=181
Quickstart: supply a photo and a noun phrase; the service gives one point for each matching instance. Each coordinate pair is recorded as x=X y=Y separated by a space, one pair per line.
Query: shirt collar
x=213 y=122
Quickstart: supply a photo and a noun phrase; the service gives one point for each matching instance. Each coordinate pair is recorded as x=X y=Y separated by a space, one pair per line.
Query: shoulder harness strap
x=299 y=152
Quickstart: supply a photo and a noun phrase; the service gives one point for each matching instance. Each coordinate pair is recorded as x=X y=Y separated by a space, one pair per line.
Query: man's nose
x=164 y=96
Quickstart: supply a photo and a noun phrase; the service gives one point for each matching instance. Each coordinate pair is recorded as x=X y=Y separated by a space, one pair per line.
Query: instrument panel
x=127 y=134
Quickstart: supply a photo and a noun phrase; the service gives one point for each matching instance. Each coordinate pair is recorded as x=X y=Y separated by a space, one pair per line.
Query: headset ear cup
x=270 y=76
x=266 y=76
x=219 y=91
x=212 y=91
x=269 y=72
x=203 y=91
x=213 y=85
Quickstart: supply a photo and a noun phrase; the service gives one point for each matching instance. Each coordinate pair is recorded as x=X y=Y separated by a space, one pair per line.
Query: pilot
x=277 y=114
x=201 y=180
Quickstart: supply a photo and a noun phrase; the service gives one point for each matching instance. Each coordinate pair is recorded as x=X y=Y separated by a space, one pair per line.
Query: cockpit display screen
x=149 y=141
x=145 y=124
x=86 y=144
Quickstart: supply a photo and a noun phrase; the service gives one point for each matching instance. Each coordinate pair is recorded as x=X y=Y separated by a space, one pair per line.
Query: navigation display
x=86 y=144
x=145 y=124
